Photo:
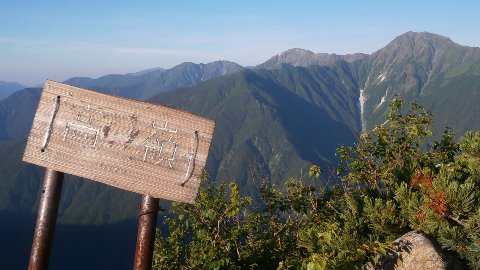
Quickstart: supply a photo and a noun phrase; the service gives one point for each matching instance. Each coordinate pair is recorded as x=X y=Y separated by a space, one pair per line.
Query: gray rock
x=413 y=250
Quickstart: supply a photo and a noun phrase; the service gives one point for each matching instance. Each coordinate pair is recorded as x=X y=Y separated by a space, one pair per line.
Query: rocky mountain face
x=429 y=69
x=423 y=67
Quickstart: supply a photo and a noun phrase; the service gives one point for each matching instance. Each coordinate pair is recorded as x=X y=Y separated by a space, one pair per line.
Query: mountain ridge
x=255 y=118
x=145 y=71
x=156 y=81
x=8 y=88
x=16 y=113
x=251 y=109
x=417 y=66
x=298 y=57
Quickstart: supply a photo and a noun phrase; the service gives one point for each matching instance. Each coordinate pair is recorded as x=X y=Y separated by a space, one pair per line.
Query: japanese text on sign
x=141 y=147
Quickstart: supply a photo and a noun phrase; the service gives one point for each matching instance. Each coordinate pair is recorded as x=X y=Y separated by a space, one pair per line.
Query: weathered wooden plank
x=132 y=145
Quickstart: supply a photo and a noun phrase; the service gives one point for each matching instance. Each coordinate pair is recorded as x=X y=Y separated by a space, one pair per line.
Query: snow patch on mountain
x=361 y=102
x=382 y=100
x=382 y=77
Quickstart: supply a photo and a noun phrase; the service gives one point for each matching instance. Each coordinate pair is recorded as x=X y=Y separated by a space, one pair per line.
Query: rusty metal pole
x=147 y=222
x=46 y=219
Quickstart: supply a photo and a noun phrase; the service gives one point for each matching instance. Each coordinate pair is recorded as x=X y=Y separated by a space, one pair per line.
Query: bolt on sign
x=136 y=146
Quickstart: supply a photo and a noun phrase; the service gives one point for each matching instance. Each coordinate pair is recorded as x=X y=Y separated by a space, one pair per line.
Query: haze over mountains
x=273 y=120
x=8 y=88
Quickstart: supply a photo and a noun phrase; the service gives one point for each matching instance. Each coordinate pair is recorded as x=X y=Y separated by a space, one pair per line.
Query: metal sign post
x=137 y=146
x=146 y=233
x=46 y=219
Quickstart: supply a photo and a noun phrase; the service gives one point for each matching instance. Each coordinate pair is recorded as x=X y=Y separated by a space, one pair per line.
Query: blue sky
x=62 y=39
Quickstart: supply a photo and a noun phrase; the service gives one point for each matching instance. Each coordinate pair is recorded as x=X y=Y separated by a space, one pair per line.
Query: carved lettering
x=111 y=167
x=81 y=133
x=161 y=145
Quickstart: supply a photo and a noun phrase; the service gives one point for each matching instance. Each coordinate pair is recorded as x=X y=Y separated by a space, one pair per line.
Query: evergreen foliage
x=393 y=181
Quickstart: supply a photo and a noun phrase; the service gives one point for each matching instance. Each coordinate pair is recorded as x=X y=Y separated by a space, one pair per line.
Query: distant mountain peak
x=418 y=40
x=299 y=57
x=218 y=63
x=296 y=51
x=422 y=36
x=145 y=84
x=143 y=72
x=425 y=46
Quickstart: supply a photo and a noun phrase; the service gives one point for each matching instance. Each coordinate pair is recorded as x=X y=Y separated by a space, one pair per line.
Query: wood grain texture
x=136 y=146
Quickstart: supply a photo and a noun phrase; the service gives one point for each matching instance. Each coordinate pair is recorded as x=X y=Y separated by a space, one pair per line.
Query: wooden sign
x=136 y=146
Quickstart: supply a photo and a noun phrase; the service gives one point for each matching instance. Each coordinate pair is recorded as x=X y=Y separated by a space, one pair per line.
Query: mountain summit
x=423 y=67
x=302 y=58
